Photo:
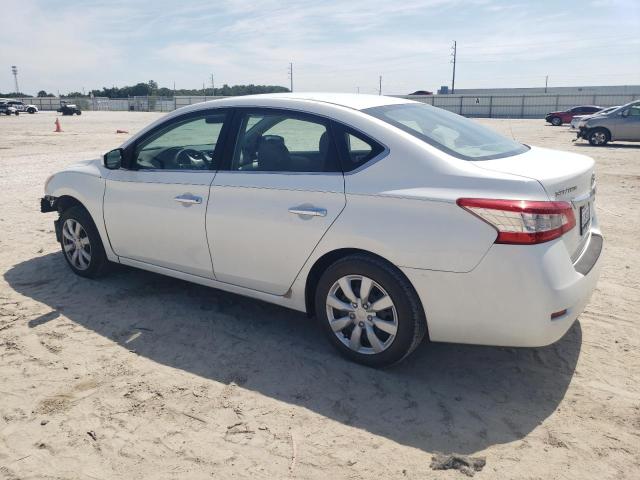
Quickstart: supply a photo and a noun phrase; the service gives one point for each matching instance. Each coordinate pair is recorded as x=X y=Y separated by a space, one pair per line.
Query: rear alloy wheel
x=598 y=137
x=556 y=121
x=81 y=244
x=369 y=310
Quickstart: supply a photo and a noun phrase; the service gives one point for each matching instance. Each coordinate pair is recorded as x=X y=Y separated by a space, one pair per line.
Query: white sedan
x=386 y=219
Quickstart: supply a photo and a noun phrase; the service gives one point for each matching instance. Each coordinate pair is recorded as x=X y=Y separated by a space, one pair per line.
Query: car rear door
x=281 y=190
x=154 y=211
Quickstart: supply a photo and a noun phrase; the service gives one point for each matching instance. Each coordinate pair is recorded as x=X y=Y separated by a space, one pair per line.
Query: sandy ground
x=142 y=376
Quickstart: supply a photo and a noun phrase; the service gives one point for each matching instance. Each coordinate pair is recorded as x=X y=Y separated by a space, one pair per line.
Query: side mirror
x=625 y=113
x=113 y=159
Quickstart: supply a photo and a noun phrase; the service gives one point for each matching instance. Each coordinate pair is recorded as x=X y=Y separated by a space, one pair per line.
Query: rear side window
x=356 y=149
x=283 y=142
x=451 y=133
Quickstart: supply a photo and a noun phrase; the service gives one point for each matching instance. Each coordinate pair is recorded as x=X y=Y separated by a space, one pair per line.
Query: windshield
x=451 y=133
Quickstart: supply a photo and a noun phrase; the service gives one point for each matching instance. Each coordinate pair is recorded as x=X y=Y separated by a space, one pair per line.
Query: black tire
x=411 y=321
x=31 y=110
x=599 y=136
x=556 y=121
x=98 y=259
x=79 y=112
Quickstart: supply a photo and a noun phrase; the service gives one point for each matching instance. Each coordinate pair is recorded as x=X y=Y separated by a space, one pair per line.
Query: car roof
x=349 y=100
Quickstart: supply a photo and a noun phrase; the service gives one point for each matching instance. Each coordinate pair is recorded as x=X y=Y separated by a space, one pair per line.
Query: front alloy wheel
x=598 y=137
x=81 y=243
x=76 y=244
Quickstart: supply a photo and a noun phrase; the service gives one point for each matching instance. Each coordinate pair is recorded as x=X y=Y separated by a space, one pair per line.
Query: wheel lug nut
x=352 y=316
x=365 y=306
x=369 y=317
x=354 y=305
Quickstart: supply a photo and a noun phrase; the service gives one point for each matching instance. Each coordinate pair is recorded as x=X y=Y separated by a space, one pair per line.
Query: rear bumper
x=509 y=297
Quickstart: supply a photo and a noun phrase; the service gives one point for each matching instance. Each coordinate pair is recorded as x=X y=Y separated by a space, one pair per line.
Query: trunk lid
x=565 y=177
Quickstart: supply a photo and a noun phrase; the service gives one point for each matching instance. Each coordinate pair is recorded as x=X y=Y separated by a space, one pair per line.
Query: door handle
x=310 y=211
x=188 y=199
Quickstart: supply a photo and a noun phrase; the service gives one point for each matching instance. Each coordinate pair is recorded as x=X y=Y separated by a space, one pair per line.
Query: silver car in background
x=582 y=119
x=622 y=124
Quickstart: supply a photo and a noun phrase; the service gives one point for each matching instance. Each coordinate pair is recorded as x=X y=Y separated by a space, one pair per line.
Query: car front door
x=154 y=210
x=281 y=190
x=628 y=124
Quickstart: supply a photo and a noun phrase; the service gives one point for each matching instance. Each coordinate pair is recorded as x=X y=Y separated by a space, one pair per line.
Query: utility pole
x=546 y=83
x=380 y=85
x=213 y=86
x=291 y=75
x=14 y=70
x=454 y=54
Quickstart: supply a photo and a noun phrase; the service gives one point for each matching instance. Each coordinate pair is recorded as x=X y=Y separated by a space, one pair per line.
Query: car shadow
x=445 y=397
x=609 y=145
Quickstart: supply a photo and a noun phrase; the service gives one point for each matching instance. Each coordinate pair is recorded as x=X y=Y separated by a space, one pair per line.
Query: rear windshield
x=451 y=133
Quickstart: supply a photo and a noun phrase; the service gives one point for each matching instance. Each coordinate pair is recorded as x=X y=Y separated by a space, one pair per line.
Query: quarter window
x=189 y=144
x=359 y=150
x=283 y=142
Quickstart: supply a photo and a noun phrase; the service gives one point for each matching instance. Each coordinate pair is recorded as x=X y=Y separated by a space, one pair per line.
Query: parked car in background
x=69 y=109
x=386 y=219
x=621 y=124
x=575 y=121
x=22 y=107
x=558 y=118
x=6 y=109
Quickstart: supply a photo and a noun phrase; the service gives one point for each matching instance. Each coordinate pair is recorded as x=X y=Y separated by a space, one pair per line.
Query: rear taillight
x=522 y=221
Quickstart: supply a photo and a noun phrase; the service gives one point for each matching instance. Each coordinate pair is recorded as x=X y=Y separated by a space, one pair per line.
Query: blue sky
x=334 y=45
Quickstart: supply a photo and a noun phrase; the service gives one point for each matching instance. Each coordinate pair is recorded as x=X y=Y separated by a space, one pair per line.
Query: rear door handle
x=310 y=211
x=188 y=199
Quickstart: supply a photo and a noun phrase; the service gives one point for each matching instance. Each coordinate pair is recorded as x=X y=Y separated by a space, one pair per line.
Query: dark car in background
x=558 y=118
x=69 y=109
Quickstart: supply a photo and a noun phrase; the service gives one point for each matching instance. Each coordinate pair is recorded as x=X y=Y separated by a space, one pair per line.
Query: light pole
x=14 y=70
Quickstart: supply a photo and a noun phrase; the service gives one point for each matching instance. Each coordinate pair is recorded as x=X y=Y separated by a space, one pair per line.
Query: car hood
x=88 y=167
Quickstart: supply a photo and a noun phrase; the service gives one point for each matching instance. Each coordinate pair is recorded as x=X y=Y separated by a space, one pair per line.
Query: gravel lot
x=142 y=376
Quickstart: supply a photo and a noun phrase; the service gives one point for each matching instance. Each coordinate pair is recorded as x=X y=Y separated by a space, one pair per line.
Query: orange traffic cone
x=58 y=128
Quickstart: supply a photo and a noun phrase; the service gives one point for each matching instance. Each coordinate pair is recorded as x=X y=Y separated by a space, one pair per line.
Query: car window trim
x=130 y=150
x=232 y=136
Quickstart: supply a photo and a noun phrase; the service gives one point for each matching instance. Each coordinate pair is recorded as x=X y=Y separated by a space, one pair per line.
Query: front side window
x=189 y=144
x=633 y=111
x=283 y=142
x=451 y=133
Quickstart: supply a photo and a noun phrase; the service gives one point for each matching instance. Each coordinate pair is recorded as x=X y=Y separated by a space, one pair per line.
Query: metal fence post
x=557 y=102
x=490 y=105
x=461 y=98
x=522 y=107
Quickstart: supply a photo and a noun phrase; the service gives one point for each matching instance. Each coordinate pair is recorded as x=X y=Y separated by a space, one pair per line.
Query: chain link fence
x=486 y=106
